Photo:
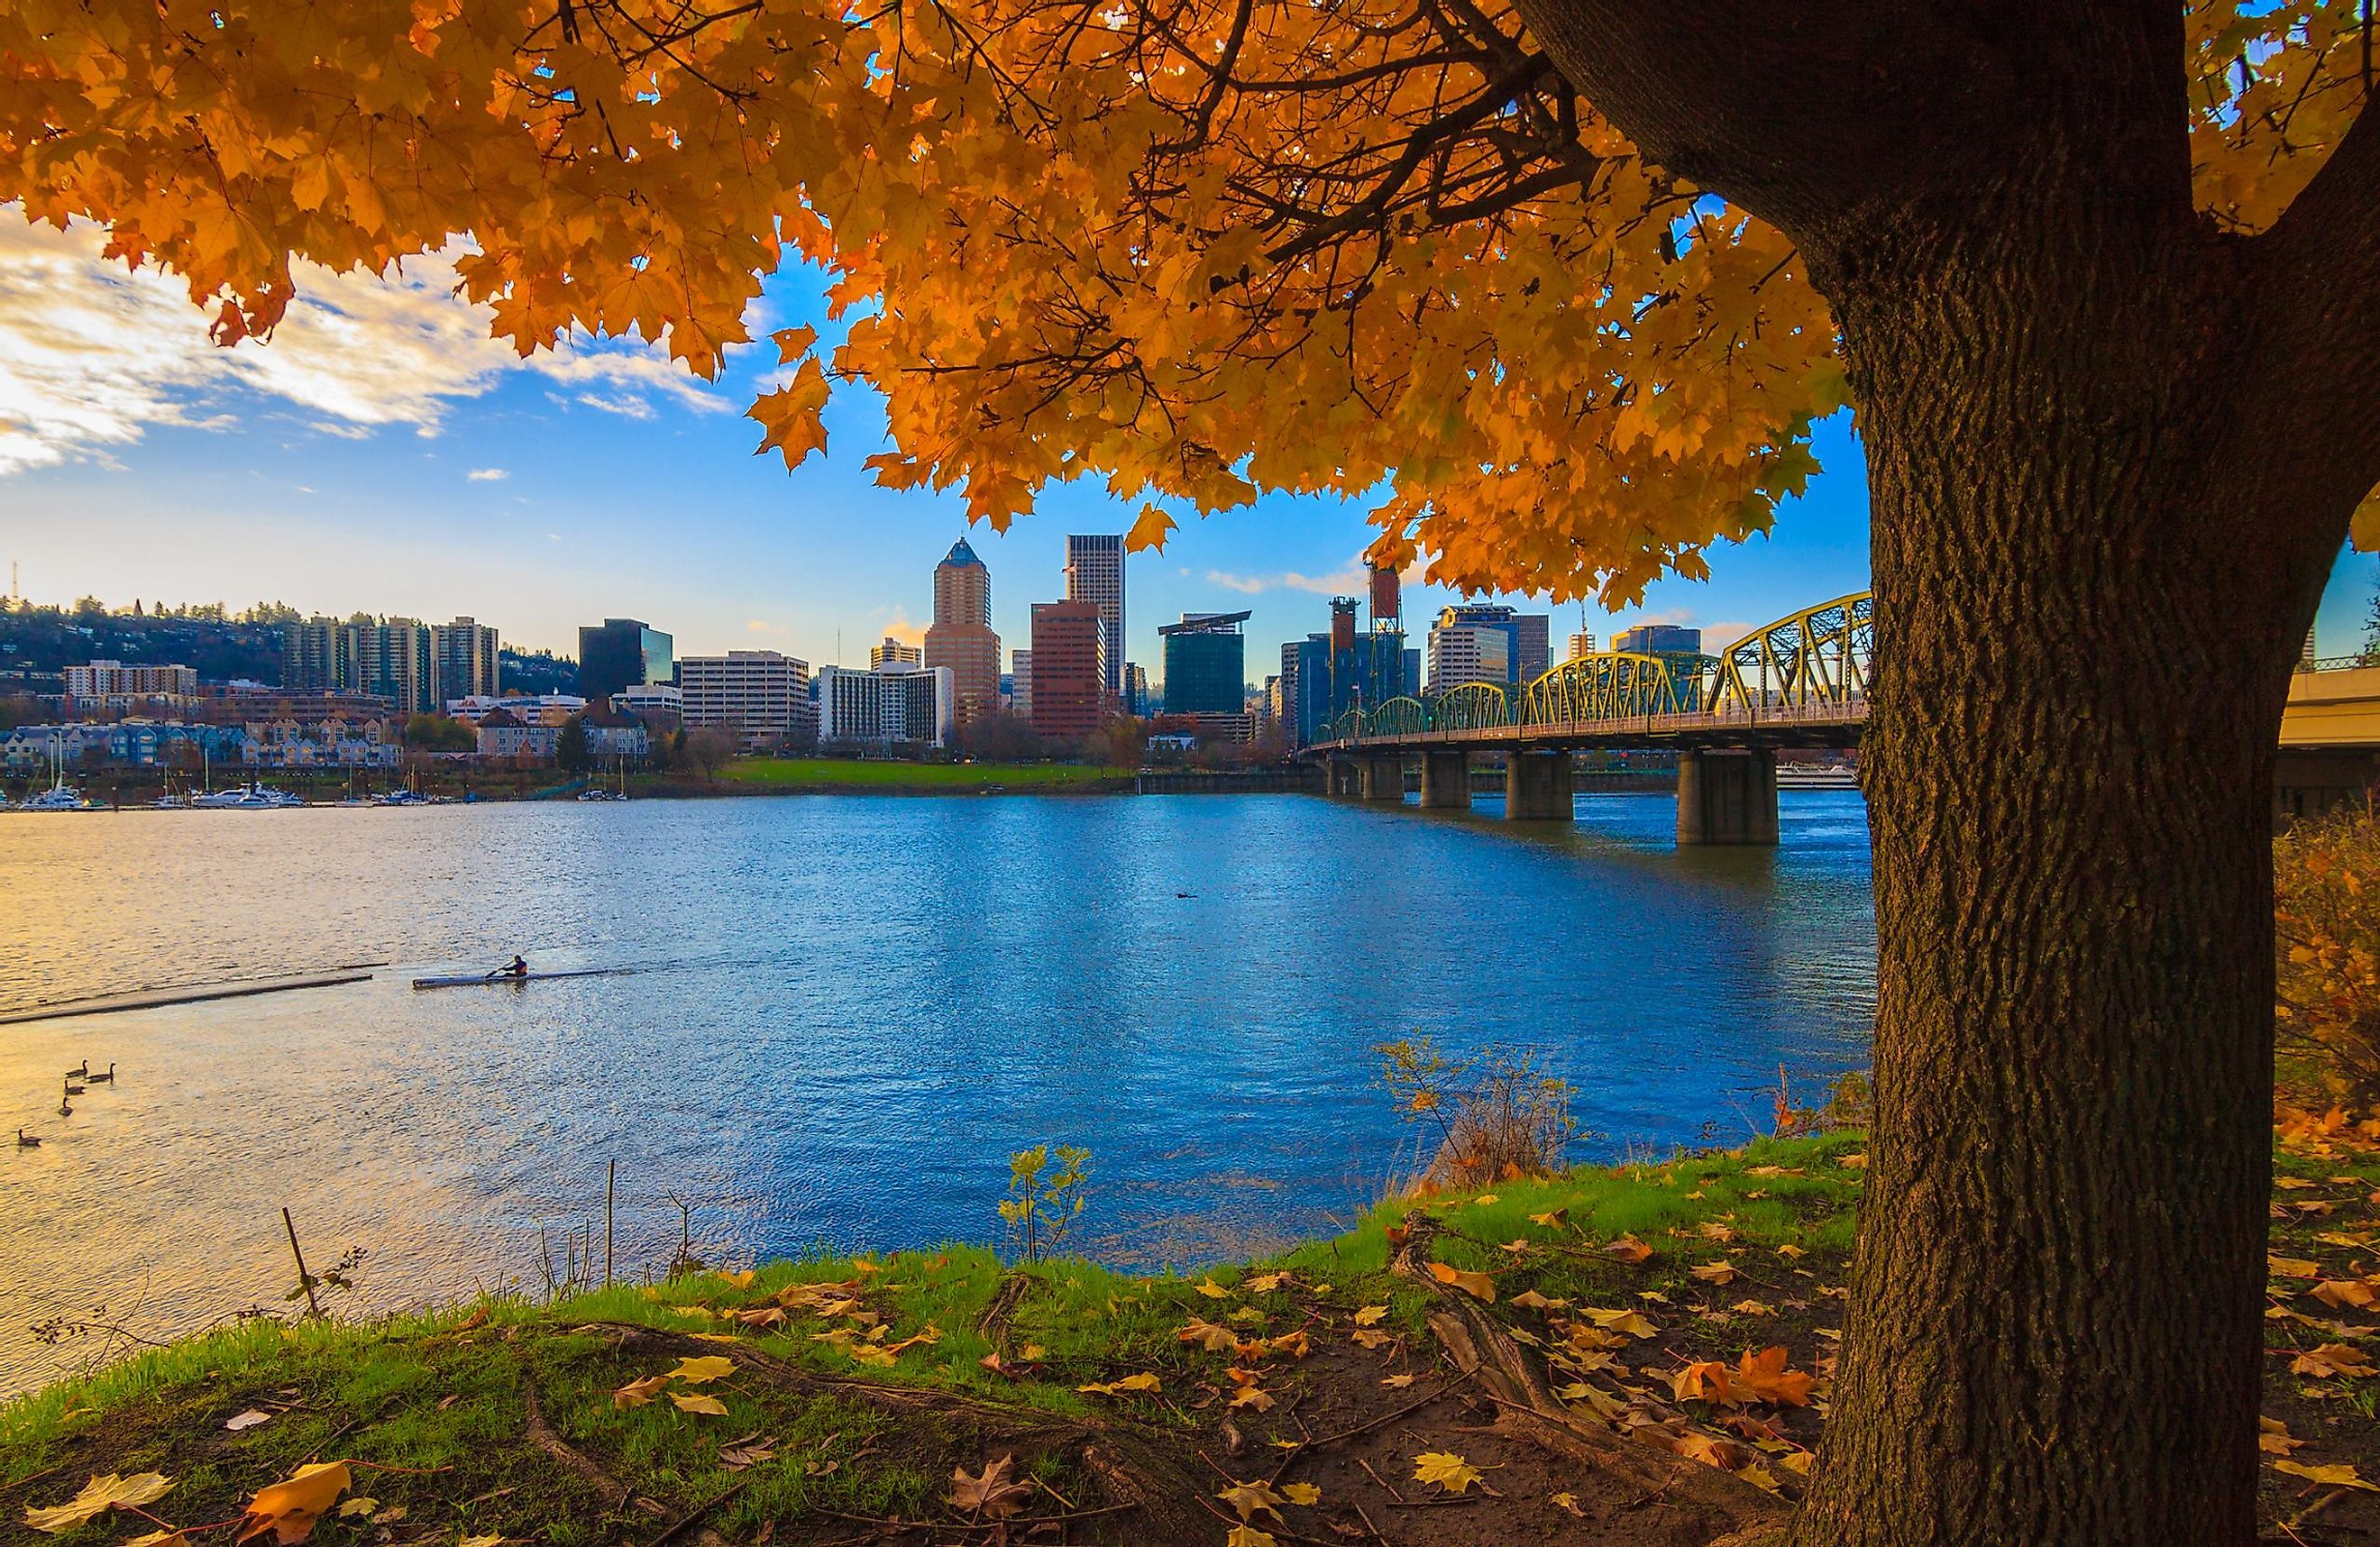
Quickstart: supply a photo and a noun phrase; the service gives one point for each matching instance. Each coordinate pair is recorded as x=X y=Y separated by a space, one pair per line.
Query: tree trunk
x=2082 y=652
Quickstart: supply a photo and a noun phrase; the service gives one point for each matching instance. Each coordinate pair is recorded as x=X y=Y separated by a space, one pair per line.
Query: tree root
x=1738 y=1513
x=994 y=1322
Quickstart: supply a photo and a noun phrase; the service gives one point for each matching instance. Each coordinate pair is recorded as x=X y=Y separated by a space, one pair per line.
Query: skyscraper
x=621 y=653
x=464 y=654
x=960 y=637
x=1070 y=699
x=1095 y=574
x=1582 y=644
x=895 y=652
x=761 y=695
x=1205 y=663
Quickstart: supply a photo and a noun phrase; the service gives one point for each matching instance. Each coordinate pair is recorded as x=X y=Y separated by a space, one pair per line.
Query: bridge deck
x=1813 y=725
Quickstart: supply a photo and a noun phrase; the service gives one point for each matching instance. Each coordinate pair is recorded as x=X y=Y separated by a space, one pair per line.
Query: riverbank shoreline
x=1619 y=1354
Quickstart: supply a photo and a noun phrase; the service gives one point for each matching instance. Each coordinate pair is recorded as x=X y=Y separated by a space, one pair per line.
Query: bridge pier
x=1537 y=786
x=1446 y=781
x=1384 y=778
x=1340 y=775
x=1727 y=796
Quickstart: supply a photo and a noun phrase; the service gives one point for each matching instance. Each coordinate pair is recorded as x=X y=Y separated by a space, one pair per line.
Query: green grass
x=853 y=774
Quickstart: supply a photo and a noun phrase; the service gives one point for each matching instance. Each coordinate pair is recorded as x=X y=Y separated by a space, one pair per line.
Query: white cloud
x=91 y=356
x=487 y=475
x=1349 y=582
x=1717 y=637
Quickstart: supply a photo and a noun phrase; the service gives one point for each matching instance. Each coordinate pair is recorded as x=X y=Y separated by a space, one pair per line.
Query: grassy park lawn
x=848 y=774
x=1682 y=1319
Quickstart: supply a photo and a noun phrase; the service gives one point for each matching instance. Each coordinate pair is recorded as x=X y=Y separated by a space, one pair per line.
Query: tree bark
x=2111 y=458
x=2082 y=656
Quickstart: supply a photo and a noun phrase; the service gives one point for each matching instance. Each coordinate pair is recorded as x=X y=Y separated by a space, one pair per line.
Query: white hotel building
x=889 y=705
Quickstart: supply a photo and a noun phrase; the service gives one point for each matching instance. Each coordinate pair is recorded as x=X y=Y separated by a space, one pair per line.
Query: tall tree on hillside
x=1569 y=279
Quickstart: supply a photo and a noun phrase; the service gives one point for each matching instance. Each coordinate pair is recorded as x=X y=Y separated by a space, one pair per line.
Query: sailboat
x=60 y=795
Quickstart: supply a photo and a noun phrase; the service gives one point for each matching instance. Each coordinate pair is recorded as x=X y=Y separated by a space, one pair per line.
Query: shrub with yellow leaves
x=2326 y=901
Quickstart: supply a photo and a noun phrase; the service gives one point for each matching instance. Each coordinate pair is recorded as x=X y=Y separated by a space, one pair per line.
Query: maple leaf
x=2344 y=1293
x=1477 y=1286
x=1211 y=1289
x=1301 y=1493
x=98 y=1496
x=701 y=1370
x=159 y=1539
x=1707 y=1381
x=1253 y=1498
x=2291 y=1267
x=1206 y=1334
x=2332 y=1359
x=1148 y=529
x=1721 y=1273
x=1765 y=1377
x=1552 y=1218
x=494 y=1539
x=1449 y=1471
x=991 y=1495
x=2273 y=1437
x=1396 y=1382
x=1264 y=1284
x=635 y=1394
x=1629 y=1323
x=1565 y=1502
x=696 y=1402
x=288 y=1508
x=2336 y=1475
x=790 y=415
x=1143 y=1382
x=1370 y=1315
x=1248 y=1536
x=1627 y=1249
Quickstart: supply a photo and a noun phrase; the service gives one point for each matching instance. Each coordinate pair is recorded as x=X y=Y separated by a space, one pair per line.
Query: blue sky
x=381 y=455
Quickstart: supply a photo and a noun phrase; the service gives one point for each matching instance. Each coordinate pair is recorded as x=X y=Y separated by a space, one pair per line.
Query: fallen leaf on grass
x=1627 y=1249
x=1753 y=1308
x=2332 y=1359
x=2291 y=1267
x=1264 y=1284
x=697 y=1372
x=1705 y=1380
x=1304 y=1493
x=289 y=1508
x=1211 y=1289
x=1130 y=1383
x=1477 y=1286
x=2273 y=1437
x=1553 y=1219
x=695 y=1402
x=1630 y=1323
x=1529 y=1300
x=98 y=1496
x=635 y=1394
x=494 y=1539
x=741 y=1280
x=991 y=1493
x=1445 y=1469
x=1484 y=1199
x=248 y=1419
x=1567 y=1502
x=1372 y=1337
x=2338 y=1474
x=1248 y=1536
x=358 y=1505
x=1715 y=1451
x=1852 y=1163
x=1789 y=1250
x=159 y=1539
x=1370 y=1315
x=1209 y=1336
x=1721 y=1273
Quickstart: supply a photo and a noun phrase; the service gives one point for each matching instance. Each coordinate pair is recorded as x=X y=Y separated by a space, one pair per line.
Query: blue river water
x=846 y=1012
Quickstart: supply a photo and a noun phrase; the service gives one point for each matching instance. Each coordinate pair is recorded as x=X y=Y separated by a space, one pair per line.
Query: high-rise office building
x=1069 y=690
x=1582 y=644
x=621 y=653
x=393 y=659
x=1020 y=684
x=1205 y=663
x=1659 y=638
x=1287 y=693
x=893 y=704
x=1095 y=574
x=961 y=637
x=1535 y=644
x=761 y=695
x=894 y=651
x=1473 y=644
x=465 y=657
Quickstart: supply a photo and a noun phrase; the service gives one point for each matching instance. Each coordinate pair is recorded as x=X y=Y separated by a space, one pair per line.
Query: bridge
x=1801 y=682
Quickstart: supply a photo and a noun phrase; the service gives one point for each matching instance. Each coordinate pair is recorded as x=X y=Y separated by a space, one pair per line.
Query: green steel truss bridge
x=1802 y=681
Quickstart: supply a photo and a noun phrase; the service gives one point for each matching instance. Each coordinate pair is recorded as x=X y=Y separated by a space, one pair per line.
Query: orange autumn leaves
x=1060 y=237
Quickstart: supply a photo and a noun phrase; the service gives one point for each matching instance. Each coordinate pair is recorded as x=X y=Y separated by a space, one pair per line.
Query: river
x=847 y=1012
